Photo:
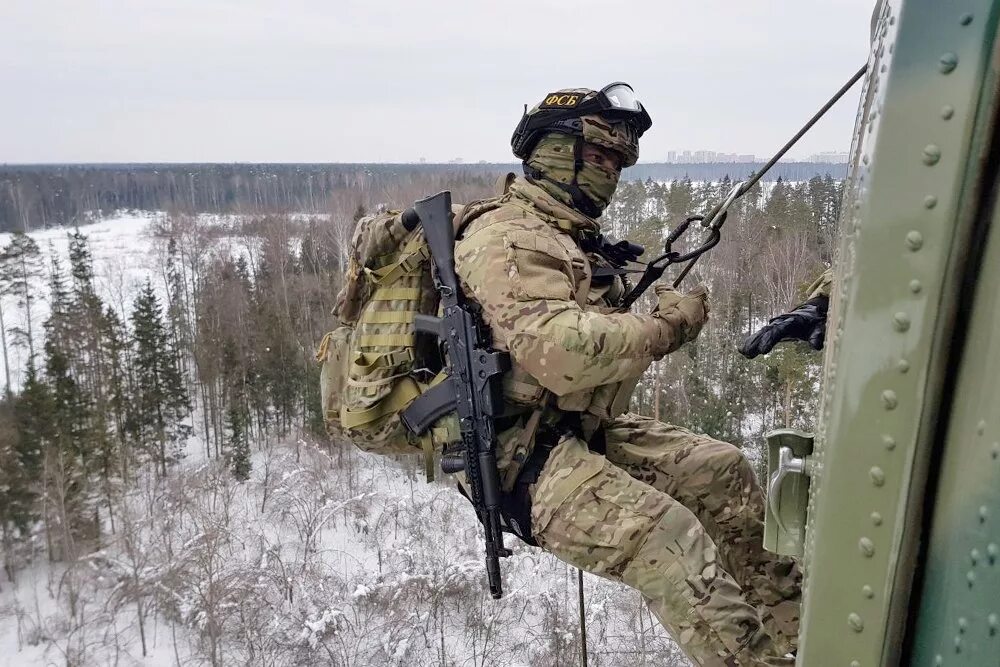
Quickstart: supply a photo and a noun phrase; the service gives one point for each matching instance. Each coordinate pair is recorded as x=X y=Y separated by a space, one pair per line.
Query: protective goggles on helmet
x=620 y=96
x=616 y=102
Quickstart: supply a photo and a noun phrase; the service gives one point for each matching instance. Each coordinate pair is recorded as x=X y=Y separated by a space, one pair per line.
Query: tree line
x=36 y=197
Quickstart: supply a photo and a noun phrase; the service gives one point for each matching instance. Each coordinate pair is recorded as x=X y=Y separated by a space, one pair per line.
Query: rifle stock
x=435 y=217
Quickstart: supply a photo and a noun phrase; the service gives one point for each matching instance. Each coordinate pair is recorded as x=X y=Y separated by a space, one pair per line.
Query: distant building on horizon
x=707 y=157
x=829 y=157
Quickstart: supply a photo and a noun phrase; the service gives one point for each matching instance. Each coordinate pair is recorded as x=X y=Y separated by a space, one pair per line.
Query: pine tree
x=58 y=324
x=20 y=270
x=162 y=405
x=18 y=474
x=118 y=391
x=68 y=456
x=239 y=446
x=32 y=414
x=32 y=410
x=86 y=315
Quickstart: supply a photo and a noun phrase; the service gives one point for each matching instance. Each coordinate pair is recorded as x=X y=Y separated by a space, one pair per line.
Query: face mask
x=598 y=183
x=553 y=157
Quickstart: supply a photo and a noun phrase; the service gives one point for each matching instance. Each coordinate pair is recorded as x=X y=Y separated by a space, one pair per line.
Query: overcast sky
x=396 y=81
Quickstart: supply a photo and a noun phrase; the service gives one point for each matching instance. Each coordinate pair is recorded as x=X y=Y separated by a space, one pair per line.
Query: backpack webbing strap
x=375 y=360
x=407 y=265
x=397 y=294
x=387 y=340
x=388 y=316
x=375 y=383
x=402 y=394
x=399 y=397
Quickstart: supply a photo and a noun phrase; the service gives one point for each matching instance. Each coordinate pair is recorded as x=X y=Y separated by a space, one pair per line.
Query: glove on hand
x=683 y=316
x=807 y=322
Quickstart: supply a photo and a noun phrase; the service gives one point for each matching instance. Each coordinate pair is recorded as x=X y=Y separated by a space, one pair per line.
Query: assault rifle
x=472 y=388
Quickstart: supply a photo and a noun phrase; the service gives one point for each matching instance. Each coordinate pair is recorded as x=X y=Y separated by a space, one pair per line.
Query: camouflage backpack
x=372 y=365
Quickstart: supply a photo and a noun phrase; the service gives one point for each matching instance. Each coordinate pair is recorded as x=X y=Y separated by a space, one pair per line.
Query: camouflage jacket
x=519 y=259
x=822 y=285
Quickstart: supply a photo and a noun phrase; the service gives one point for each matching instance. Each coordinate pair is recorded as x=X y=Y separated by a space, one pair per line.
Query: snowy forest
x=168 y=495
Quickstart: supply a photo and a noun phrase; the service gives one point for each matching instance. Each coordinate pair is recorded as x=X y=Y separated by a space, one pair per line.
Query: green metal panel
x=915 y=171
x=959 y=617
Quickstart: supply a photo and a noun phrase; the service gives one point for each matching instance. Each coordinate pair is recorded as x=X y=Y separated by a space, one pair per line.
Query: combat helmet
x=611 y=117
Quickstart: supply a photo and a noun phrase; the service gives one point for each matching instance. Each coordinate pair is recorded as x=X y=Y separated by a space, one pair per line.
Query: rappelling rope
x=714 y=218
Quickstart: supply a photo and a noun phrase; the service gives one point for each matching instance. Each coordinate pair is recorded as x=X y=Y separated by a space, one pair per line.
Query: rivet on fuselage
x=901 y=322
x=984 y=513
x=914 y=240
x=996 y=450
x=966 y=19
x=970 y=577
x=889 y=399
x=903 y=366
x=947 y=111
x=867 y=547
x=994 y=623
x=991 y=552
x=948 y=63
x=932 y=154
x=963 y=625
x=855 y=622
x=930 y=201
x=877 y=476
x=868 y=591
x=889 y=442
x=981 y=427
x=876 y=519
x=916 y=286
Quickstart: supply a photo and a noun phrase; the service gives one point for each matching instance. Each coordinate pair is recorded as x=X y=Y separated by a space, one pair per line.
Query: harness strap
x=516 y=505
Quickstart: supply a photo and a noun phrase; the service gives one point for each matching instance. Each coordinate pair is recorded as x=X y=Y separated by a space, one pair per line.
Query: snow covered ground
x=326 y=556
x=323 y=557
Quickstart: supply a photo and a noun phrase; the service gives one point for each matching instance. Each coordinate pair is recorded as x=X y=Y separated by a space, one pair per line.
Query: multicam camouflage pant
x=679 y=517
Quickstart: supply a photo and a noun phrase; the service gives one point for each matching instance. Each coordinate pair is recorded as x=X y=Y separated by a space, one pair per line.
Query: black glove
x=807 y=322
